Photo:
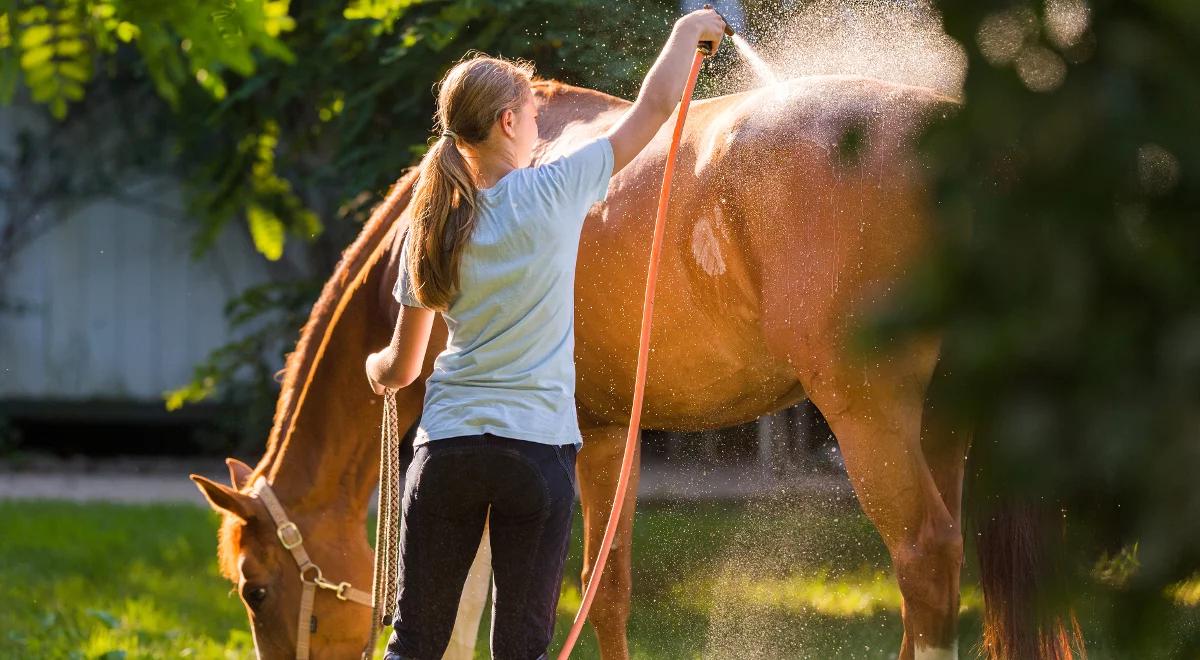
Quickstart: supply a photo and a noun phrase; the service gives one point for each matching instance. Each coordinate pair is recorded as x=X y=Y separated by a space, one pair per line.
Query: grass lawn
x=801 y=579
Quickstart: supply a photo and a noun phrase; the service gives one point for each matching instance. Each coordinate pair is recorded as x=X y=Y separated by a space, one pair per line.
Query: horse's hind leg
x=598 y=466
x=876 y=413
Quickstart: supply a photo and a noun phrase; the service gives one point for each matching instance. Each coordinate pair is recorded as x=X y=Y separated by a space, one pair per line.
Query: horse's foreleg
x=598 y=466
x=876 y=414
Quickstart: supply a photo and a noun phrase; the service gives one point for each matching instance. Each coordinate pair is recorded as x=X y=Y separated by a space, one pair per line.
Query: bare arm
x=399 y=364
x=663 y=85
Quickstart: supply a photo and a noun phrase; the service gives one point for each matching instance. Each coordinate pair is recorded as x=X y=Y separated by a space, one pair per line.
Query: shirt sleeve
x=403 y=289
x=580 y=178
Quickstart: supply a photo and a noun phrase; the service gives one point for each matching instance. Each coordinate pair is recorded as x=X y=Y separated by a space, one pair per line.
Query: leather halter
x=289 y=535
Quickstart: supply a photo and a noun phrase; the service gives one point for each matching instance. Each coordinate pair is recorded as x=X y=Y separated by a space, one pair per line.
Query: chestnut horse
x=796 y=209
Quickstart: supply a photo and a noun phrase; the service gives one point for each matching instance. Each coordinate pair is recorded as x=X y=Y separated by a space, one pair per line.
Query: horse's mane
x=550 y=89
x=351 y=271
x=348 y=275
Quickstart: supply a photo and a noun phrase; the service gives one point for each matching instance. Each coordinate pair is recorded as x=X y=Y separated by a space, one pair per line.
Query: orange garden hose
x=639 y=385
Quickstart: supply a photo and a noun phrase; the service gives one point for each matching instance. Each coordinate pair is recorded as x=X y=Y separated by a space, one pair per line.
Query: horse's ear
x=239 y=473
x=224 y=498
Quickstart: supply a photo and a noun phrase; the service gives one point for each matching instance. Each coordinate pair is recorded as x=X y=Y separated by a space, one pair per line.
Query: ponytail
x=443 y=218
x=444 y=204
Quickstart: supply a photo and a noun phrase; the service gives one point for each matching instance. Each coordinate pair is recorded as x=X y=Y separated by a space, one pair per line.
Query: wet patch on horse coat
x=706 y=249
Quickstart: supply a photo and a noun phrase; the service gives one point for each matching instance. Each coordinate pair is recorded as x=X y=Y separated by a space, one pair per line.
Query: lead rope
x=387 y=525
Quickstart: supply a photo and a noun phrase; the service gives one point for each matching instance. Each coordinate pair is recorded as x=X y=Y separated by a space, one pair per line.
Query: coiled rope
x=387 y=525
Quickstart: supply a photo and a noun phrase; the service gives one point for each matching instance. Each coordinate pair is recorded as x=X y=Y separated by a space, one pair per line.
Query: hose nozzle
x=706 y=47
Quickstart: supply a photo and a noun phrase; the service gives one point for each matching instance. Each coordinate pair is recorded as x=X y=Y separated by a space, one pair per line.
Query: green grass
x=83 y=581
x=705 y=577
x=801 y=579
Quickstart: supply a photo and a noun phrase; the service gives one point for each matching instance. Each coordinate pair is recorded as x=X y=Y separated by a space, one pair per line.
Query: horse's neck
x=330 y=466
x=329 y=454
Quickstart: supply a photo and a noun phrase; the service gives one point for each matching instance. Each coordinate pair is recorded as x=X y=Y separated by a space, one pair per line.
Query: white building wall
x=113 y=307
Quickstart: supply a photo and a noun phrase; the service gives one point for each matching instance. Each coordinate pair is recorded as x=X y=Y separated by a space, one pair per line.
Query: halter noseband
x=289 y=535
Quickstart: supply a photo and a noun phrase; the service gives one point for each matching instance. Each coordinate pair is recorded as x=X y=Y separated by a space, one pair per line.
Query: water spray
x=703 y=49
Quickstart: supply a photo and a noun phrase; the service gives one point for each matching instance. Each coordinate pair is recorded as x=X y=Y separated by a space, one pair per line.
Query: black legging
x=450 y=486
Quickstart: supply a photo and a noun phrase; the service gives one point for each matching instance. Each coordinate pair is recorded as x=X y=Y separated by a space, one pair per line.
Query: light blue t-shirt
x=509 y=363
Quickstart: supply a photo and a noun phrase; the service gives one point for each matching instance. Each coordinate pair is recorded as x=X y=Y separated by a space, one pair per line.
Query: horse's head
x=257 y=552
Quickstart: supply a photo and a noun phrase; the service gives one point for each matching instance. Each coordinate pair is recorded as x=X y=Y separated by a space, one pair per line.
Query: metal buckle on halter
x=317 y=579
x=282 y=532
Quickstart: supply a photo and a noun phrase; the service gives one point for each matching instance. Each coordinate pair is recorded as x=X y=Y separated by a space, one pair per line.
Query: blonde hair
x=470 y=98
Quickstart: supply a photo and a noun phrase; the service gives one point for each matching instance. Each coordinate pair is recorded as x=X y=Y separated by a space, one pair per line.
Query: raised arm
x=663 y=85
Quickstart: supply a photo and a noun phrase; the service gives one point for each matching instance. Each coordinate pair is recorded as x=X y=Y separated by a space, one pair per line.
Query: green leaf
x=199 y=389
x=37 y=57
x=71 y=90
x=36 y=35
x=127 y=31
x=267 y=230
x=5 y=31
x=75 y=70
x=70 y=47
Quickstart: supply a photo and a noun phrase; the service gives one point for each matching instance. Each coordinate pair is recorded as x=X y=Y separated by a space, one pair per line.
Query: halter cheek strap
x=310 y=574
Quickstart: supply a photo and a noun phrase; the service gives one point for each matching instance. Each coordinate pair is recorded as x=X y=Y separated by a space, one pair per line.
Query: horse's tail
x=1017 y=548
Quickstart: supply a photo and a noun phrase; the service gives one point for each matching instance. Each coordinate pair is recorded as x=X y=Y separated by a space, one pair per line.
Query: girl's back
x=508 y=367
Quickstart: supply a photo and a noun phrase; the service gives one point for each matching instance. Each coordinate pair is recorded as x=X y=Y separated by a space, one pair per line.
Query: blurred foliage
x=333 y=102
x=55 y=45
x=1068 y=283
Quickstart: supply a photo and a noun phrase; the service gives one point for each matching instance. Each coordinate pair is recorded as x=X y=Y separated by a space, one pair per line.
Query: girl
x=492 y=246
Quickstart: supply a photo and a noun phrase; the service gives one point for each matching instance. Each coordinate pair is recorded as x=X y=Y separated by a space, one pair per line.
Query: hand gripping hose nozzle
x=706 y=47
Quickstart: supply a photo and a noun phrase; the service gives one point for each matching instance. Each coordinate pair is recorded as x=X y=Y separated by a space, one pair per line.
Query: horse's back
x=770 y=215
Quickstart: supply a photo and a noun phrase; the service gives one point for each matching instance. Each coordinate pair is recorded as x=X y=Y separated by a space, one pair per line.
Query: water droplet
x=1041 y=69
x=1157 y=168
x=1066 y=21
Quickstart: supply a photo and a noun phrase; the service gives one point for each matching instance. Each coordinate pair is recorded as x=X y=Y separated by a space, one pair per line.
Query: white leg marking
x=930 y=653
